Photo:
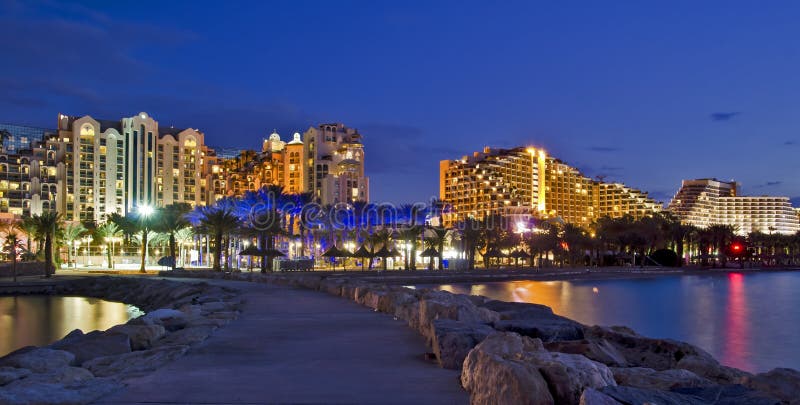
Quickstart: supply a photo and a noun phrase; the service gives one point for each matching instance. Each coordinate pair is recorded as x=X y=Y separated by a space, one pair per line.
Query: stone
x=709 y=367
x=641 y=377
x=454 y=339
x=523 y=362
x=728 y=394
x=93 y=344
x=592 y=396
x=170 y=319
x=64 y=376
x=781 y=383
x=495 y=373
x=83 y=392
x=134 y=363
x=9 y=374
x=444 y=305
x=38 y=360
x=534 y=320
x=642 y=396
x=600 y=351
x=187 y=336
x=141 y=337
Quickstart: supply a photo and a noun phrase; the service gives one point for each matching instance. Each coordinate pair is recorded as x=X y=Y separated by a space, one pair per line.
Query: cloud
x=394 y=147
x=724 y=116
x=604 y=149
x=769 y=184
x=790 y=143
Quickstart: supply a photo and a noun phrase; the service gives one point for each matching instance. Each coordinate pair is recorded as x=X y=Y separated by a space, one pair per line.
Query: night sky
x=646 y=93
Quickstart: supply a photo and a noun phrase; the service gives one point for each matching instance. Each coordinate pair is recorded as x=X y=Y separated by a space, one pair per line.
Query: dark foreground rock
x=781 y=383
x=533 y=320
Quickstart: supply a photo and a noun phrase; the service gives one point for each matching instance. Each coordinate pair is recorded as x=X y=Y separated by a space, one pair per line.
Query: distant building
x=20 y=137
x=334 y=164
x=706 y=202
x=28 y=181
x=527 y=181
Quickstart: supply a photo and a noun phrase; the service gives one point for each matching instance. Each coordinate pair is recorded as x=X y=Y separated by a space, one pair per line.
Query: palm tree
x=72 y=232
x=47 y=227
x=409 y=235
x=472 y=236
x=172 y=219
x=437 y=238
x=12 y=244
x=28 y=227
x=217 y=221
x=107 y=232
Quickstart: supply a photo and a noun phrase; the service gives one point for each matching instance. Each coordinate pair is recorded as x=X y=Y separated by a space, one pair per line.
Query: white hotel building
x=706 y=202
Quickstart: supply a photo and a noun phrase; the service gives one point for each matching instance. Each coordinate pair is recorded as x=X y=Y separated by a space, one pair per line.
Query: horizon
x=614 y=92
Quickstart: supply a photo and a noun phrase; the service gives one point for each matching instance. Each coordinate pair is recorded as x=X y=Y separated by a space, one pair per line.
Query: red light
x=737 y=247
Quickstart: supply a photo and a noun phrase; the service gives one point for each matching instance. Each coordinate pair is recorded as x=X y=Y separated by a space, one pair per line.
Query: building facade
x=526 y=181
x=706 y=202
x=115 y=166
x=28 y=181
x=15 y=138
x=334 y=164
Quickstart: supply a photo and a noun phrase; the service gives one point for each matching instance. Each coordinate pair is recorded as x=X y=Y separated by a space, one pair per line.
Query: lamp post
x=87 y=240
x=75 y=246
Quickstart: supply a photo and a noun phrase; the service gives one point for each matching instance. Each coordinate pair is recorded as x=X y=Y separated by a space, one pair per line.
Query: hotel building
x=526 y=181
x=706 y=202
x=114 y=166
x=28 y=180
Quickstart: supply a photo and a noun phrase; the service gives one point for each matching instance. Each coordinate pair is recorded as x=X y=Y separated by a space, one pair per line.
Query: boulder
x=187 y=336
x=9 y=374
x=641 y=377
x=600 y=351
x=592 y=396
x=170 y=319
x=495 y=373
x=781 y=383
x=523 y=362
x=641 y=396
x=664 y=354
x=454 y=339
x=444 y=305
x=38 y=360
x=141 y=336
x=82 y=392
x=728 y=394
x=134 y=363
x=534 y=320
x=93 y=344
x=64 y=376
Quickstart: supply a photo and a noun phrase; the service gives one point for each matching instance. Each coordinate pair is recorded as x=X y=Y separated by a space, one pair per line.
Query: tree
x=472 y=236
x=28 y=227
x=12 y=245
x=172 y=219
x=216 y=221
x=47 y=227
x=72 y=232
x=107 y=232
x=437 y=238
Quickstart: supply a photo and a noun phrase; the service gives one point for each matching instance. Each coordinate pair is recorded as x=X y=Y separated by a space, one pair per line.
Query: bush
x=664 y=257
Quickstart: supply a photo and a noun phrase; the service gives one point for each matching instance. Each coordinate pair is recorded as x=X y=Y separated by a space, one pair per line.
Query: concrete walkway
x=301 y=346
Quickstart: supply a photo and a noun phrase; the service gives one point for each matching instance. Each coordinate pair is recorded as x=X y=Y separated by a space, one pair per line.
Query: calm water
x=41 y=319
x=749 y=321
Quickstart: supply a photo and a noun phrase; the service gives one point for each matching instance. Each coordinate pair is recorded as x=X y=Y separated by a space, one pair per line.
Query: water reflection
x=746 y=320
x=40 y=320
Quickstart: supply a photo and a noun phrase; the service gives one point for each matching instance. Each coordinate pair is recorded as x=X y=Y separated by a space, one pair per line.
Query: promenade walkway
x=301 y=346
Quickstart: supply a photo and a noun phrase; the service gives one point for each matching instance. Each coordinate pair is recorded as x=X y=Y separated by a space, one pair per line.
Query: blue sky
x=645 y=93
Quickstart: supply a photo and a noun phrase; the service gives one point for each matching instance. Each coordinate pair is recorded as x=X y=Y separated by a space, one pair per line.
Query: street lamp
x=87 y=240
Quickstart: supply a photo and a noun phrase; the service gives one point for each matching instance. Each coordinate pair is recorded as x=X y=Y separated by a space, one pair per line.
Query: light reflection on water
x=745 y=320
x=41 y=319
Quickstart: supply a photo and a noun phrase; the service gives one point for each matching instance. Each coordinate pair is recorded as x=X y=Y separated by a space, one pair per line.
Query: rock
x=664 y=354
x=141 y=336
x=533 y=320
x=134 y=363
x=592 y=396
x=64 y=376
x=642 y=396
x=187 y=336
x=444 y=305
x=93 y=344
x=454 y=339
x=495 y=373
x=83 y=392
x=170 y=319
x=38 y=360
x=728 y=394
x=9 y=374
x=568 y=375
x=600 y=351
x=641 y=377
x=523 y=362
x=781 y=383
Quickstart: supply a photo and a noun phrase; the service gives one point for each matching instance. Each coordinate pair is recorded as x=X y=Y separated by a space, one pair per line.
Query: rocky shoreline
x=83 y=367
x=523 y=353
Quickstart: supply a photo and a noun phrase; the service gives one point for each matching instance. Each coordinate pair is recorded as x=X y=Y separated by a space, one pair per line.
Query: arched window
x=87 y=130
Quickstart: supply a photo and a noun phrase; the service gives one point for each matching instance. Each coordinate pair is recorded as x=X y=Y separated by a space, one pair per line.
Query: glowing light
x=146 y=210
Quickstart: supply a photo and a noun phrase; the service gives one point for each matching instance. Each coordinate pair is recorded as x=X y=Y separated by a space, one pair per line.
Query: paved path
x=301 y=346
